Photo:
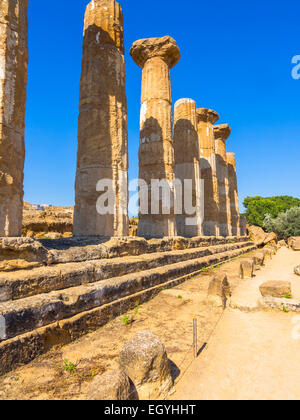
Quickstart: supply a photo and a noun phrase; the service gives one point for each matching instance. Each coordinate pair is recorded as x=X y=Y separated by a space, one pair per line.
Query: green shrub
x=285 y=225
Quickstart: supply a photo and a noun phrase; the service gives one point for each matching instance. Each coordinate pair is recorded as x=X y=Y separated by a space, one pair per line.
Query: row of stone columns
x=196 y=151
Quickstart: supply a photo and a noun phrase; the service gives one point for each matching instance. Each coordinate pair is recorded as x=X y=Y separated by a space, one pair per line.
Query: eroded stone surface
x=145 y=361
x=233 y=194
x=112 y=386
x=278 y=289
x=246 y=268
x=102 y=127
x=219 y=289
x=165 y=47
x=13 y=81
x=207 y=152
x=187 y=168
x=222 y=133
x=156 y=153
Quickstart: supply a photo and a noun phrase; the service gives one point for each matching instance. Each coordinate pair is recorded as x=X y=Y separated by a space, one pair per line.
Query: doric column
x=233 y=195
x=156 y=155
x=206 y=138
x=222 y=133
x=102 y=127
x=187 y=168
x=13 y=81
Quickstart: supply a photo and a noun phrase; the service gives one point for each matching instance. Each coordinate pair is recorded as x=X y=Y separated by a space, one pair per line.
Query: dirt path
x=251 y=355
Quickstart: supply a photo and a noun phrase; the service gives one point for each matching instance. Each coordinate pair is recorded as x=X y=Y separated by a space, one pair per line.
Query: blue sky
x=236 y=59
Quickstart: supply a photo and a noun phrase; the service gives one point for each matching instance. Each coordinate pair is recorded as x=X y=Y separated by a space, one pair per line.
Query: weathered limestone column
x=156 y=155
x=102 y=127
x=233 y=195
x=222 y=133
x=206 y=119
x=187 y=167
x=13 y=81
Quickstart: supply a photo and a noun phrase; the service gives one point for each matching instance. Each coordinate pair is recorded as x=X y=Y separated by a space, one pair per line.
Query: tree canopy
x=257 y=208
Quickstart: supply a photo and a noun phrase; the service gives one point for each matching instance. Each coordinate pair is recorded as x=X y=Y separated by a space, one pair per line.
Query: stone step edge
x=24 y=348
x=22 y=284
x=24 y=315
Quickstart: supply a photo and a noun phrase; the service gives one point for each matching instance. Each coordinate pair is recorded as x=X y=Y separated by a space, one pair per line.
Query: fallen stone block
x=21 y=253
x=246 y=268
x=144 y=360
x=297 y=270
x=296 y=244
x=282 y=243
x=219 y=289
x=114 y=386
x=278 y=289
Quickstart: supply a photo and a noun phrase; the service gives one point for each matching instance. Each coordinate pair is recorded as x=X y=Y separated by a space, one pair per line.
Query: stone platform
x=85 y=283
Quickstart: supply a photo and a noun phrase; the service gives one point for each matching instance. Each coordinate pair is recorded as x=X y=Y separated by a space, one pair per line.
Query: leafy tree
x=258 y=207
x=285 y=225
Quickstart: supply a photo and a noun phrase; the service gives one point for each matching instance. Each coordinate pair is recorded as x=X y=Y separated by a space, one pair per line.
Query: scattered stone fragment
x=145 y=362
x=282 y=243
x=113 y=386
x=247 y=268
x=278 y=289
x=219 y=289
x=296 y=244
x=297 y=270
x=259 y=258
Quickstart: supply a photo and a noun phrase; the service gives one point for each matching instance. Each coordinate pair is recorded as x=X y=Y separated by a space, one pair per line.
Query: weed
x=204 y=269
x=287 y=296
x=69 y=367
x=179 y=297
x=125 y=320
x=285 y=309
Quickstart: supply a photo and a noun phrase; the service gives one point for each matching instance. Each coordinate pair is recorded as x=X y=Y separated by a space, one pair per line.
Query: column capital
x=165 y=48
x=222 y=131
x=207 y=115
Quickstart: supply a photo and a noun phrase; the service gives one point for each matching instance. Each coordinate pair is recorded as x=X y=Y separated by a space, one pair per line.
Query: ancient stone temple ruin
x=191 y=149
x=102 y=127
x=53 y=291
x=13 y=80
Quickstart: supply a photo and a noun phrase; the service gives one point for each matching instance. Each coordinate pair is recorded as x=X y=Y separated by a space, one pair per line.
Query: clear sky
x=236 y=59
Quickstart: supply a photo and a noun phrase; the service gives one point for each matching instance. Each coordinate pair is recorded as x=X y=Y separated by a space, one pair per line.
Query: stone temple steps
x=84 y=296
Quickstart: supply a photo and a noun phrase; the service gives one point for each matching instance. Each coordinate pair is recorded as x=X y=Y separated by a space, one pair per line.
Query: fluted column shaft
x=233 y=194
x=187 y=167
x=222 y=133
x=13 y=81
x=156 y=154
x=102 y=127
x=206 y=119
